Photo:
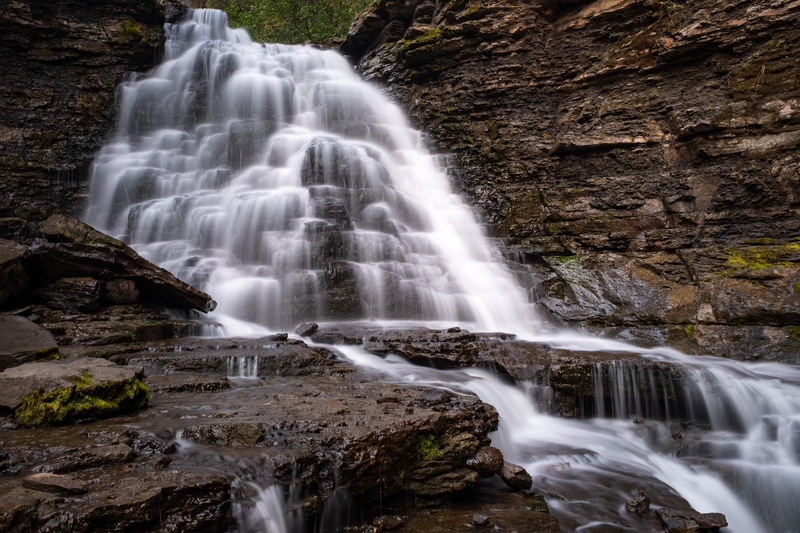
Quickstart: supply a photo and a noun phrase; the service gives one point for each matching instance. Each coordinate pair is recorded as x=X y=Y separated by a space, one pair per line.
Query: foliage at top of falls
x=290 y=21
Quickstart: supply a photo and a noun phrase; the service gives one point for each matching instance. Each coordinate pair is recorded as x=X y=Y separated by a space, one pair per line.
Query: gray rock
x=639 y=505
x=480 y=520
x=515 y=476
x=306 y=329
x=23 y=341
x=22 y=380
x=56 y=483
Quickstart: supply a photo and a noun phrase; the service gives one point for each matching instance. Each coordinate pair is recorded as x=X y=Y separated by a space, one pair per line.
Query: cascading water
x=273 y=178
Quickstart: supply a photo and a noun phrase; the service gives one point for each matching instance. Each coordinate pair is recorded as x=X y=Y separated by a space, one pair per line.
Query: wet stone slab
x=312 y=433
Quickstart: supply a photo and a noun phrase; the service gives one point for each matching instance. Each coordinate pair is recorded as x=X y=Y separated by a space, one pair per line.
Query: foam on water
x=273 y=178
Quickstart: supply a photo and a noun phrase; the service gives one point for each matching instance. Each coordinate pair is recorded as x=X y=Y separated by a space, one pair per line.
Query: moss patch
x=758 y=257
x=427 y=448
x=63 y=406
x=44 y=354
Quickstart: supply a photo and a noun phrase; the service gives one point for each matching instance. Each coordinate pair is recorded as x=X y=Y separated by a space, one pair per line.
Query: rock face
x=60 y=64
x=639 y=157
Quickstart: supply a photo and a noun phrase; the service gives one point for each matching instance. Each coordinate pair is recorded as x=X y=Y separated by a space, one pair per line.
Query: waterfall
x=273 y=178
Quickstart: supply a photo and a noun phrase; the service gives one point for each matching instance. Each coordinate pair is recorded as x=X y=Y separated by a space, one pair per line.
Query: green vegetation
x=688 y=329
x=44 y=354
x=427 y=448
x=758 y=257
x=291 y=21
x=81 y=401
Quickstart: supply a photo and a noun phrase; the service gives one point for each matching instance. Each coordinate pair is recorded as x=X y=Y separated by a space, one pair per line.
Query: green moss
x=793 y=332
x=537 y=504
x=688 y=329
x=427 y=448
x=796 y=287
x=756 y=242
x=47 y=139
x=103 y=354
x=758 y=257
x=69 y=404
x=44 y=52
x=44 y=354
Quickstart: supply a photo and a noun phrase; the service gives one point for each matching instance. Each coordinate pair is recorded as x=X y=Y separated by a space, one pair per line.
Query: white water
x=276 y=180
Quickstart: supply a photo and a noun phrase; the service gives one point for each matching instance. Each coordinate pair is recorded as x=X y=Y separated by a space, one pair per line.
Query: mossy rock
x=69 y=404
x=61 y=392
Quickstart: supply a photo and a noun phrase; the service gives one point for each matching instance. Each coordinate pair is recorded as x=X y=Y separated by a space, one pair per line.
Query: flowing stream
x=274 y=179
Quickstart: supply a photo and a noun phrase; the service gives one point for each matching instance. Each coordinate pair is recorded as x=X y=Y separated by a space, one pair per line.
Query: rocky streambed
x=347 y=446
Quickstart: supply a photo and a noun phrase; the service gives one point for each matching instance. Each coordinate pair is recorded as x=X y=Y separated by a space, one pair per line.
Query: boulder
x=12 y=274
x=515 y=476
x=487 y=461
x=306 y=329
x=60 y=392
x=76 y=250
x=24 y=341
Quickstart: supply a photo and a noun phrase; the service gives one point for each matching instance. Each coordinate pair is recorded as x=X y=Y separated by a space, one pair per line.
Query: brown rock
x=515 y=476
x=120 y=291
x=75 y=249
x=12 y=274
x=487 y=462
x=54 y=483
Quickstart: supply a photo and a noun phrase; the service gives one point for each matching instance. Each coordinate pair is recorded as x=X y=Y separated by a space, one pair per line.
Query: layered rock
x=59 y=69
x=635 y=156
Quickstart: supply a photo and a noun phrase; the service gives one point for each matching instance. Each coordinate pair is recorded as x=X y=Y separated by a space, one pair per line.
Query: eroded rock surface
x=639 y=158
x=24 y=341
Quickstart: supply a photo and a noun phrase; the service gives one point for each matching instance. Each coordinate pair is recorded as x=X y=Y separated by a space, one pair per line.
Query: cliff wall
x=60 y=64
x=639 y=158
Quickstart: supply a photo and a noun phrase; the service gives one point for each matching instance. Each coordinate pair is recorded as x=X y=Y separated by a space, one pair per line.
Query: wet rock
x=487 y=461
x=254 y=359
x=480 y=520
x=639 y=505
x=72 y=293
x=677 y=521
x=515 y=476
x=12 y=274
x=306 y=329
x=54 y=483
x=24 y=341
x=186 y=383
x=88 y=458
x=234 y=435
x=75 y=249
x=387 y=523
x=120 y=291
x=59 y=392
x=507 y=509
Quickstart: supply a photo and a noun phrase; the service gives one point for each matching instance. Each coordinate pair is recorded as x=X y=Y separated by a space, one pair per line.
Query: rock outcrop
x=638 y=157
x=60 y=65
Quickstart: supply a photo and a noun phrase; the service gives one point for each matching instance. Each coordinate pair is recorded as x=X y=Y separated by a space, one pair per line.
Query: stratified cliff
x=60 y=64
x=640 y=156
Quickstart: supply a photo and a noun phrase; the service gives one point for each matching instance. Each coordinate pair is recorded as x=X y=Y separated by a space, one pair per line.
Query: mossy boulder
x=61 y=392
